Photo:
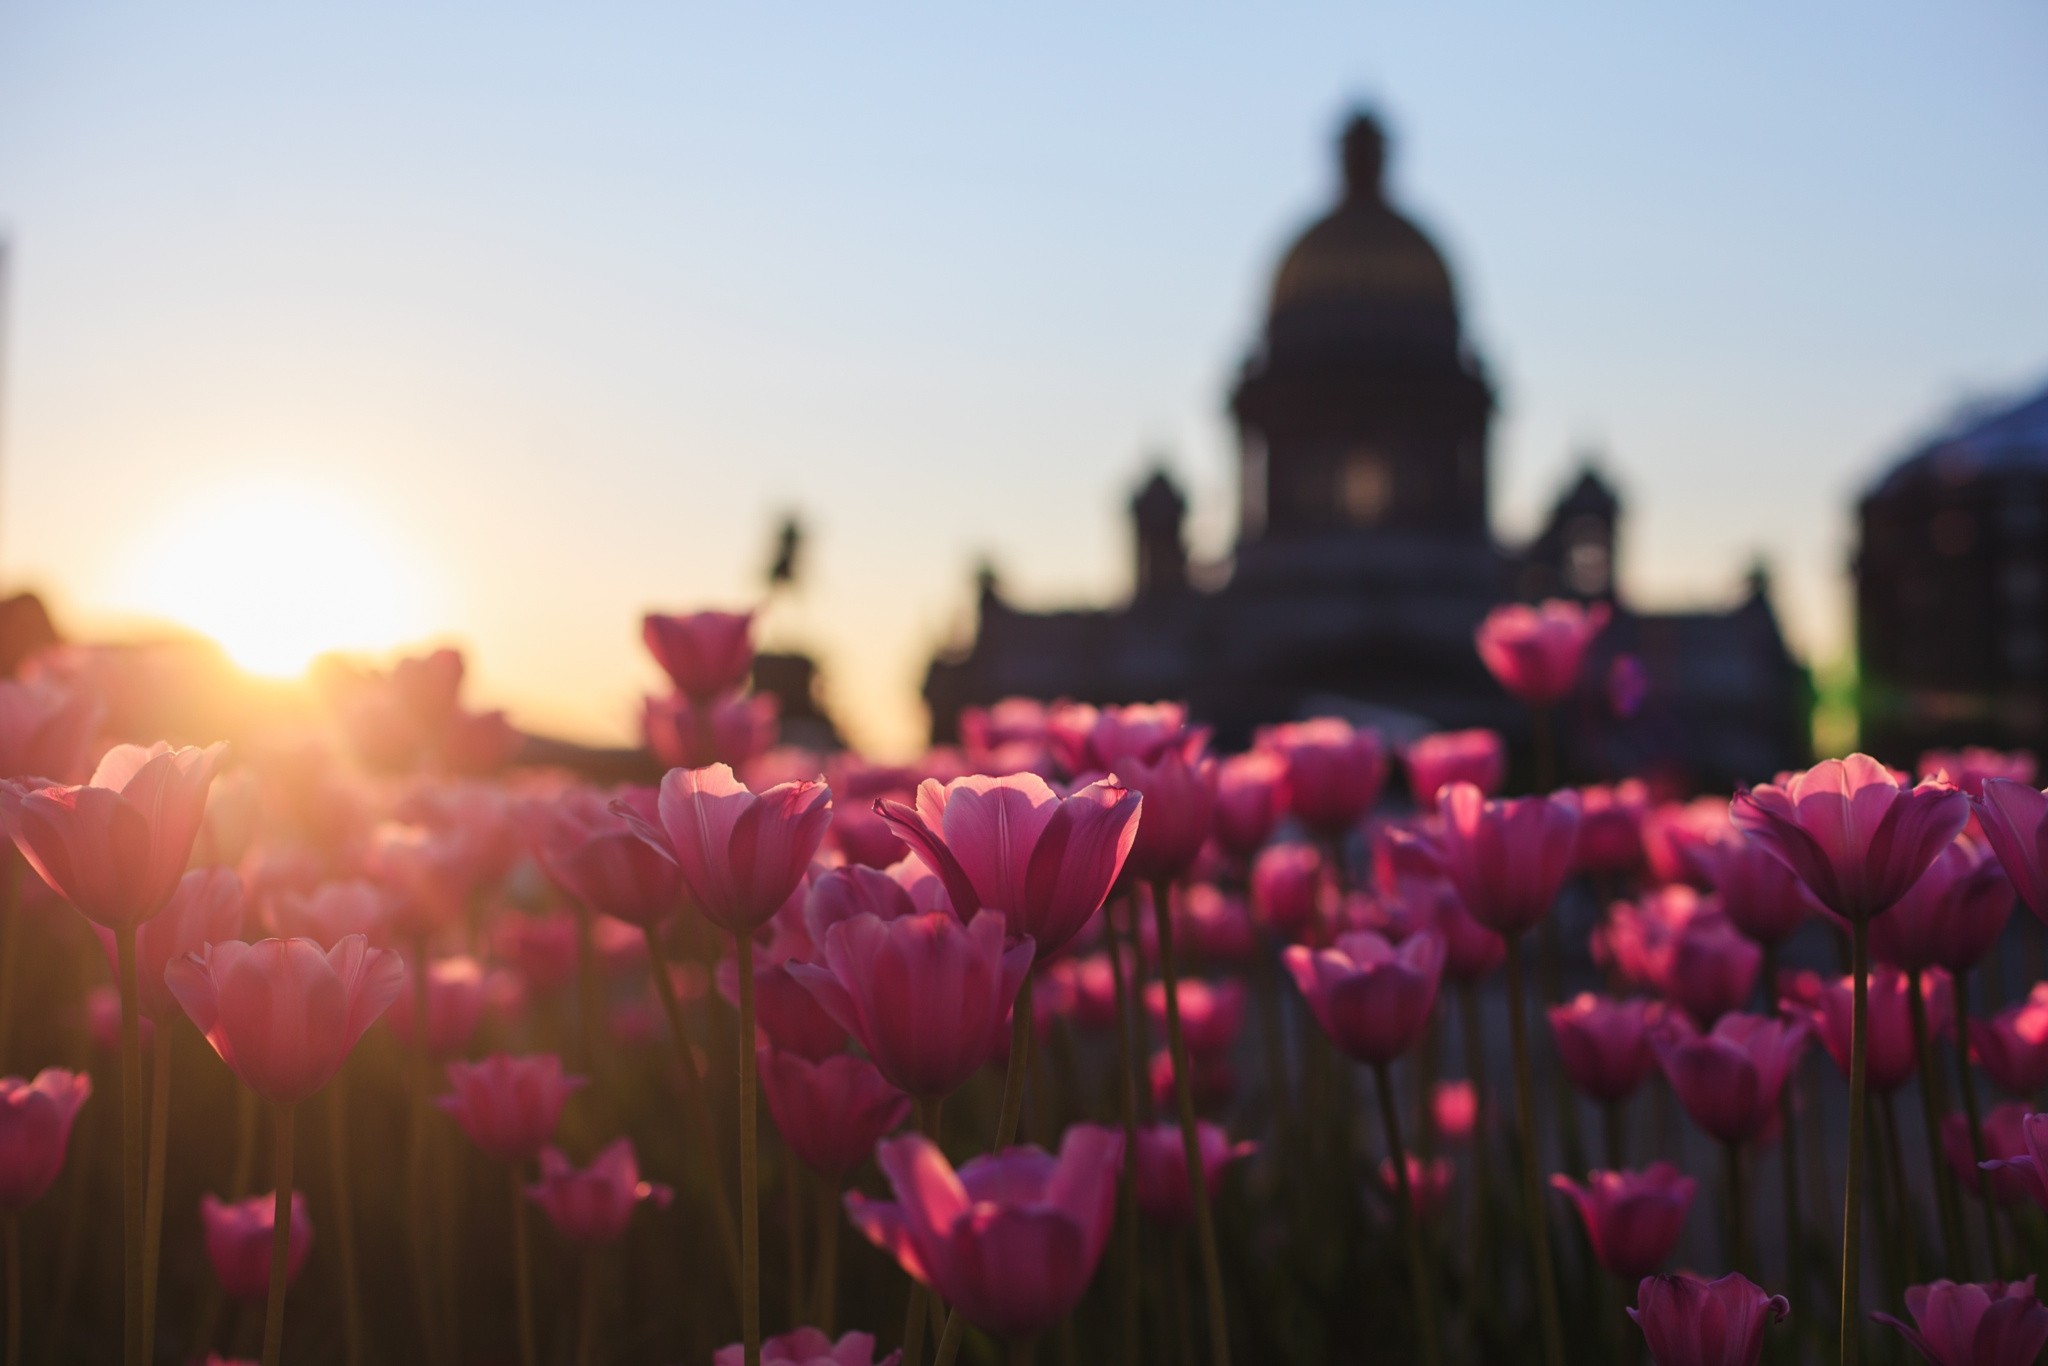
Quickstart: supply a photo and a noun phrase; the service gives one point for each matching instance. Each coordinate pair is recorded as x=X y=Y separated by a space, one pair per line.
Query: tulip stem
x=280 y=1233
x=1739 y=1258
x=1471 y=1026
x=159 y=1133
x=134 y=1160
x=588 y=1314
x=1967 y=1084
x=750 y=1162
x=1788 y=1129
x=1611 y=1124
x=344 y=1221
x=694 y=1099
x=1907 y=1234
x=10 y=1229
x=522 y=1267
x=1019 y=1065
x=1191 y=1142
x=1127 y=1097
x=1411 y=1222
x=1948 y=1200
x=827 y=1313
x=793 y=1209
x=1851 y=1328
x=1532 y=1175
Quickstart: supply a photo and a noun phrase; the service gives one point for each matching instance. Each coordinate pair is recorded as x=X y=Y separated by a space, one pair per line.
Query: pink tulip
x=1429 y=1183
x=509 y=1105
x=687 y=732
x=1211 y=1077
x=2004 y=1137
x=1160 y=1169
x=1334 y=772
x=284 y=1013
x=1011 y=721
x=1729 y=1080
x=832 y=1111
x=1507 y=858
x=429 y=876
x=2028 y=1170
x=1952 y=917
x=595 y=855
x=1371 y=998
x=1611 y=827
x=592 y=1206
x=1211 y=1013
x=1536 y=652
x=35 y=1130
x=838 y=894
x=1145 y=732
x=1691 y=1322
x=1471 y=951
x=741 y=855
x=861 y=835
x=1712 y=969
x=205 y=909
x=809 y=1347
x=1214 y=926
x=1251 y=796
x=1633 y=1218
x=1478 y=757
x=238 y=1237
x=1179 y=809
x=1857 y=834
x=46 y=729
x=2012 y=1046
x=1604 y=1044
x=1014 y=845
x=1090 y=988
x=926 y=996
x=103 y=1021
x=2015 y=820
x=1996 y=1323
x=1968 y=767
x=703 y=653
x=330 y=912
x=1890 y=1053
x=1012 y=1239
x=1676 y=836
x=455 y=1005
x=116 y=846
x=1760 y=895
x=786 y=1014
x=1287 y=884
x=1454 y=1109
x=478 y=744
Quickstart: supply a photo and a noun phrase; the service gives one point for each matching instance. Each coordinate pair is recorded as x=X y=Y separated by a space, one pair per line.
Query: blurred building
x=1952 y=588
x=1365 y=556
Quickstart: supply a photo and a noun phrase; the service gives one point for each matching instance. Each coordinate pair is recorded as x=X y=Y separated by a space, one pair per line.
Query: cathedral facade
x=1365 y=556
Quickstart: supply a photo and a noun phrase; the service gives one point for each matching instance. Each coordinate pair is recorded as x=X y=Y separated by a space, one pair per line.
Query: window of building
x=1366 y=489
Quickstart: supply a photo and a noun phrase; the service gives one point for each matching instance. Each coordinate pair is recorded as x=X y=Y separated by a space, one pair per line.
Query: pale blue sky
x=572 y=300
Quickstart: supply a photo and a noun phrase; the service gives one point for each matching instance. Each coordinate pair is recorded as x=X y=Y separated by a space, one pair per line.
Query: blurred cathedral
x=1365 y=555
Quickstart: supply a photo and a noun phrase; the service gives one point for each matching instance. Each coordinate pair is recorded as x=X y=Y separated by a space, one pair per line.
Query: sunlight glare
x=279 y=574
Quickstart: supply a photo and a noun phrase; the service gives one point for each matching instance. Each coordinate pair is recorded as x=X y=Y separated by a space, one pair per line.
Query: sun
x=279 y=574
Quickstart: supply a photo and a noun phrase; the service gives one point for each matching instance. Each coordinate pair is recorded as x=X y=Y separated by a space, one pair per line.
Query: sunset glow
x=278 y=574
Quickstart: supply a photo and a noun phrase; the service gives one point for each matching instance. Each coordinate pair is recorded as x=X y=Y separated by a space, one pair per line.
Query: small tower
x=1158 y=514
x=1574 y=557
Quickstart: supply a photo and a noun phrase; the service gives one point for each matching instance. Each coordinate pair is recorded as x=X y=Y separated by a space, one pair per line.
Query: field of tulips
x=1077 y=1043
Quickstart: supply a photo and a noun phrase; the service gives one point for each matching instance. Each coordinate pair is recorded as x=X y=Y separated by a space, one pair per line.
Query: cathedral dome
x=1362 y=272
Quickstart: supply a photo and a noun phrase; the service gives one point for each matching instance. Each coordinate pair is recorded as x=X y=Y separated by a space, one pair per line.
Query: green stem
x=1019 y=1065
x=1127 y=1096
x=280 y=1234
x=1532 y=1175
x=1967 y=1084
x=1482 y=1146
x=1948 y=1200
x=522 y=1268
x=344 y=1221
x=240 y=1177
x=1788 y=1127
x=10 y=1228
x=1411 y=1223
x=159 y=1134
x=694 y=1099
x=750 y=1162
x=1191 y=1143
x=793 y=1209
x=827 y=1315
x=1851 y=1329
x=134 y=1158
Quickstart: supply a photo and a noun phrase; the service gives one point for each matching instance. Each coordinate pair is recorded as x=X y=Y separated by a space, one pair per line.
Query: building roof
x=1983 y=440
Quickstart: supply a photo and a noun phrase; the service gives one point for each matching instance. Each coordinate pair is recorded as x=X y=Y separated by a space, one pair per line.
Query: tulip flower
x=1478 y=757
x=1012 y=1239
x=1454 y=1110
x=35 y=1130
x=595 y=855
x=1691 y=1322
x=1507 y=858
x=1251 y=796
x=1215 y=925
x=1334 y=772
x=1211 y=1013
x=1760 y=895
x=1611 y=828
x=455 y=1006
x=703 y=653
x=686 y=732
x=2002 y=1136
x=1728 y=1080
x=1968 y=767
x=925 y=995
x=1429 y=1183
x=45 y=729
x=1996 y=1323
x=509 y=1105
x=1632 y=1218
x=1160 y=1169
x=1212 y=1081
x=1678 y=835
x=1889 y=1051
x=785 y=1011
x=1371 y=998
x=1286 y=884
x=206 y=908
x=1536 y=653
x=809 y=1347
x=591 y=1206
x=1952 y=917
x=331 y=911
x=1010 y=721
x=2028 y=1170
x=2012 y=1046
x=831 y=1111
x=1179 y=792
x=740 y=853
x=1604 y=1044
x=238 y=1242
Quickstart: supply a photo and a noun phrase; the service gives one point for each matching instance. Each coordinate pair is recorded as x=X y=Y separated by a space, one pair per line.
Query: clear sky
x=543 y=314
